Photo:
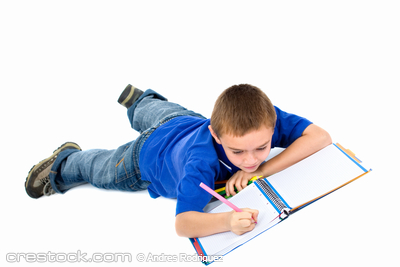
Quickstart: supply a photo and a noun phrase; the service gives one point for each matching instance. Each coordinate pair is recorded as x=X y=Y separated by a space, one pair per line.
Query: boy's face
x=249 y=151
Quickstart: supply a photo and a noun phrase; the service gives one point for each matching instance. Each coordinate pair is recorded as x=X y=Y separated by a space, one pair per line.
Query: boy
x=178 y=149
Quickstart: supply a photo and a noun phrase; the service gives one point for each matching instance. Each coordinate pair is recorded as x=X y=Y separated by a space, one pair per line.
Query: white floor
x=63 y=67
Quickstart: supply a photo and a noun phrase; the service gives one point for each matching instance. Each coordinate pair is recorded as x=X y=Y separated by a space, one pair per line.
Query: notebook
x=280 y=195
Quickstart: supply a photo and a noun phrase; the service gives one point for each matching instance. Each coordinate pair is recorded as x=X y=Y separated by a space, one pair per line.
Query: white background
x=64 y=64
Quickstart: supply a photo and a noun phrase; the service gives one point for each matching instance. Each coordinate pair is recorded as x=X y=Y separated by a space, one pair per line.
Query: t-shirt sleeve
x=190 y=196
x=288 y=128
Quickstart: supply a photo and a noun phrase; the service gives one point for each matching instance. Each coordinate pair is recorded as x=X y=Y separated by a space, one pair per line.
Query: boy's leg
x=70 y=167
x=111 y=169
x=150 y=108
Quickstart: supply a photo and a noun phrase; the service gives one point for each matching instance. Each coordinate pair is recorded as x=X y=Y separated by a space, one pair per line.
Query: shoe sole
x=129 y=96
x=50 y=160
x=126 y=95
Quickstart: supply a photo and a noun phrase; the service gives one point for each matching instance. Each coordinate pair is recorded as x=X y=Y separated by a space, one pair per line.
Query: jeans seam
x=120 y=162
x=133 y=185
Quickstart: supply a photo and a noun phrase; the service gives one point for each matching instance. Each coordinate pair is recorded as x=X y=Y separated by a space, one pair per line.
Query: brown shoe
x=38 y=183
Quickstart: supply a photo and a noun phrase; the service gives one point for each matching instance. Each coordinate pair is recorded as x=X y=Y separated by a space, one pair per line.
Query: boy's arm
x=312 y=140
x=198 y=224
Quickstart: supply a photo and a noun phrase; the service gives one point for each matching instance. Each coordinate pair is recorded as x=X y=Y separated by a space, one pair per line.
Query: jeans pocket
x=124 y=169
x=127 y=174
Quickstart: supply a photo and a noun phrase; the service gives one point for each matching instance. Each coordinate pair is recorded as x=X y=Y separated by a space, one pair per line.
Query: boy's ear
x=214 y=135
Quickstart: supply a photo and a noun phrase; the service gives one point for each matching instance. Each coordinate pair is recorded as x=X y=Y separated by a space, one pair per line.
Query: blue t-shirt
x=181 y=154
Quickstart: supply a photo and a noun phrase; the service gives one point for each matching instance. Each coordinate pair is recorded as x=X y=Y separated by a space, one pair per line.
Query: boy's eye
x=261 y=148
x=237 y=152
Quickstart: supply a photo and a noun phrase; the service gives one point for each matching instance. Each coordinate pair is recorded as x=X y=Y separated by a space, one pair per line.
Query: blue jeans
x=119 y=168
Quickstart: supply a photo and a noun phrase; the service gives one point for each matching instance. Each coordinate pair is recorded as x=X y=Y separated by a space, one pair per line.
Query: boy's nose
x=251 y=159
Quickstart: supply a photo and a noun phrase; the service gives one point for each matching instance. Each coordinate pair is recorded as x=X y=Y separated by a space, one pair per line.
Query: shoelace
x=47 y=189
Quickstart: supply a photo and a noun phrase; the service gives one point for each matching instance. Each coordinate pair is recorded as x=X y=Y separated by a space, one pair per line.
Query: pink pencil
x=218 y=196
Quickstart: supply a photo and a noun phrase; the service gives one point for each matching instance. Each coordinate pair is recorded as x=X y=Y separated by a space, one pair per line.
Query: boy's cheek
x=234 y=159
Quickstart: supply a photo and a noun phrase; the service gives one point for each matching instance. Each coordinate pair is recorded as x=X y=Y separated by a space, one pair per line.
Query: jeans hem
x=55 y=173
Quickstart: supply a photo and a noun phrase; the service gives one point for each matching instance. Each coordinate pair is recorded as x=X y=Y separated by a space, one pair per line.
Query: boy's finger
x=238 y=185
x=245 y=222
x=246 y=214
x=229 y=188
x=241 y=183
x=253 y=213
x=244 y=183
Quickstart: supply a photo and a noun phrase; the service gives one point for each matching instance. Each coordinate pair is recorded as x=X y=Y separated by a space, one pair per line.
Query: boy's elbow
x=187 y=224
x=320 y=137
x=323 y=137
x=178 y=228
x=180 y=225
x=326 y=138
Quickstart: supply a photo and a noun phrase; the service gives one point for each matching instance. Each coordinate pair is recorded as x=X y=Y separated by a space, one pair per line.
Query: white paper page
x=315 y=176
x=250 y=197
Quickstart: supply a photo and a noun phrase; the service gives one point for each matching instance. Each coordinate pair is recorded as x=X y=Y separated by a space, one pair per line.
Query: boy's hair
x=240 y=109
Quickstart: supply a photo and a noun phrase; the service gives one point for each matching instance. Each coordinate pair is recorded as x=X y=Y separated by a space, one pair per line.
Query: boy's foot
x=38 y=183
x=129 y=96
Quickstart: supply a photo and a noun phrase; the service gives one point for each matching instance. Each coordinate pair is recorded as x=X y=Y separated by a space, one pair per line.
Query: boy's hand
x=239 y=180
x=243 y=222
